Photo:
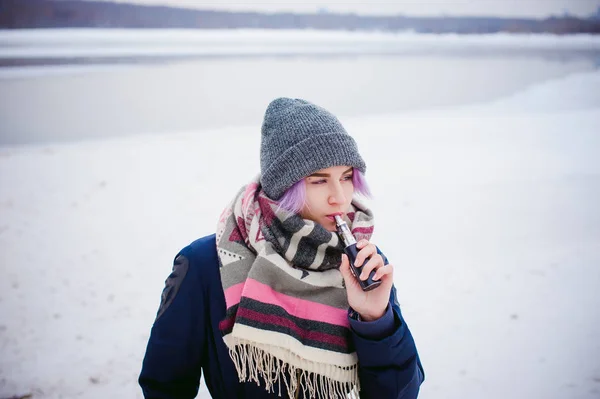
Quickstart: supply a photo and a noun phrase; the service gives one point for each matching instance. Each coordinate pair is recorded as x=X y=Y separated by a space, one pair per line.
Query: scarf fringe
x=252 y=362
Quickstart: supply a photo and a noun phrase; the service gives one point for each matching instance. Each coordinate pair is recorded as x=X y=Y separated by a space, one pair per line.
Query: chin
x=329 y=226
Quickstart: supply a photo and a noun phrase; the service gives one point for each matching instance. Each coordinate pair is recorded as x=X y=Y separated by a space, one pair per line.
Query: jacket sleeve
x=389 y=366
x=172 y=365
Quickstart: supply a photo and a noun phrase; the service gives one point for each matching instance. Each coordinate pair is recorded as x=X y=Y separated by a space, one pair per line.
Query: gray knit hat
x=298 y=139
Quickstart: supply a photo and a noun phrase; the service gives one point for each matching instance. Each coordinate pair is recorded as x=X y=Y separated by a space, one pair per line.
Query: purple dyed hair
x=294 y=198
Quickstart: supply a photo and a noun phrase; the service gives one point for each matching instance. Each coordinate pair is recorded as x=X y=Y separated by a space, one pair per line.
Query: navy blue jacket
x=185 y=341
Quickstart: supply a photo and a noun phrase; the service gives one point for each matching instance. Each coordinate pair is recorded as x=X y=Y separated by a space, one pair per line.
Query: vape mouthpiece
x=344 y=231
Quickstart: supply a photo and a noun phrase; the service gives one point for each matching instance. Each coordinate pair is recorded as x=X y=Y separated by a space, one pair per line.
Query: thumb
x=350 y=281
x=345 y=269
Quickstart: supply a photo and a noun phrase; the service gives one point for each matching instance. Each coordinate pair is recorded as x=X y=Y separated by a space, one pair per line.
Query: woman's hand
x=370 y=305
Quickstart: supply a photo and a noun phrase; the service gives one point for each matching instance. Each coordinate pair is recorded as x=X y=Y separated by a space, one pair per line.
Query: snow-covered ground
x=59 y=43
x=489 y=213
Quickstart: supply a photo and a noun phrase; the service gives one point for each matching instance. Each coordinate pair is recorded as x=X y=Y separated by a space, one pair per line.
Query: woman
x=268 y=306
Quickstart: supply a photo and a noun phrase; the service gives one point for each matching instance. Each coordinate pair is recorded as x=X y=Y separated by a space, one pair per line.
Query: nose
x=336 y=195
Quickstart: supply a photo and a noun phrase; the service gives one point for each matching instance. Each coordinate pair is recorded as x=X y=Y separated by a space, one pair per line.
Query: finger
x=362 y=243
x=385 y=270
x=376 y=261
x=363 y=254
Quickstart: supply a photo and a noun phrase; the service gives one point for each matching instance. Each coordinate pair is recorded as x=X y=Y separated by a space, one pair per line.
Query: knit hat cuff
x=308 y=156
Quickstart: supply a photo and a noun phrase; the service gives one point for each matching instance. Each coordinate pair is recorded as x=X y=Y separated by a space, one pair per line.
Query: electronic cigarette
x=351 y=250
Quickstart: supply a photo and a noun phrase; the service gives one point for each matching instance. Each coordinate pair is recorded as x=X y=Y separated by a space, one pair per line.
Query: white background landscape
x=489 y=212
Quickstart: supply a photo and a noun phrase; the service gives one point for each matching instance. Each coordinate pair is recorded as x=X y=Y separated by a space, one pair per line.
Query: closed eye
x=323 y=181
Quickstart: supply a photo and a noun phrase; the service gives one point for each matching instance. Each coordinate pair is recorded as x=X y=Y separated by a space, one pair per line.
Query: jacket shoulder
x=202 y=248
x=202 y=259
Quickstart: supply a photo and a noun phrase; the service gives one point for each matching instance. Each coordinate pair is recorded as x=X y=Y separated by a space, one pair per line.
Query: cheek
x=308 y=205
x=313 y=202
x=313 y=196
x=349 y=192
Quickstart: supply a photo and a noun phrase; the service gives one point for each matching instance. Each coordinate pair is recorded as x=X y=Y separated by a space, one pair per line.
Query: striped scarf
x=287 y=309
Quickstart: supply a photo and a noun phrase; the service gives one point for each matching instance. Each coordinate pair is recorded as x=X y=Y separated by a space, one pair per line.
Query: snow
x=489 y=213
x=117 y=43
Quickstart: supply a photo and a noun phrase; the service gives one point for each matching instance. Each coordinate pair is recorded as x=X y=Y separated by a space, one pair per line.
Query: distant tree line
x=17 y=14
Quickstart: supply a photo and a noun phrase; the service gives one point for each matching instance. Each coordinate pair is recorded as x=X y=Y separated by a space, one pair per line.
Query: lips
x=332 y=216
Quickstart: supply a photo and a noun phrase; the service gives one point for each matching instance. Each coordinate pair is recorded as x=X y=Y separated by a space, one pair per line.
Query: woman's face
x=328 y=192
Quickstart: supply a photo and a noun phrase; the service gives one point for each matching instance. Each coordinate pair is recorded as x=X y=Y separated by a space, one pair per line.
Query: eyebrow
x=329 y=175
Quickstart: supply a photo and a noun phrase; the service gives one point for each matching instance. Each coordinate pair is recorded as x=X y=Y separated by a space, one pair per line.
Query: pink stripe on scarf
x=296 y=307
x=233 y=295
x=363 y=230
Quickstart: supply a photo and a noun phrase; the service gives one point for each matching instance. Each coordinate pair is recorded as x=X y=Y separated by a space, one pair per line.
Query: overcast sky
x=519 y=8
